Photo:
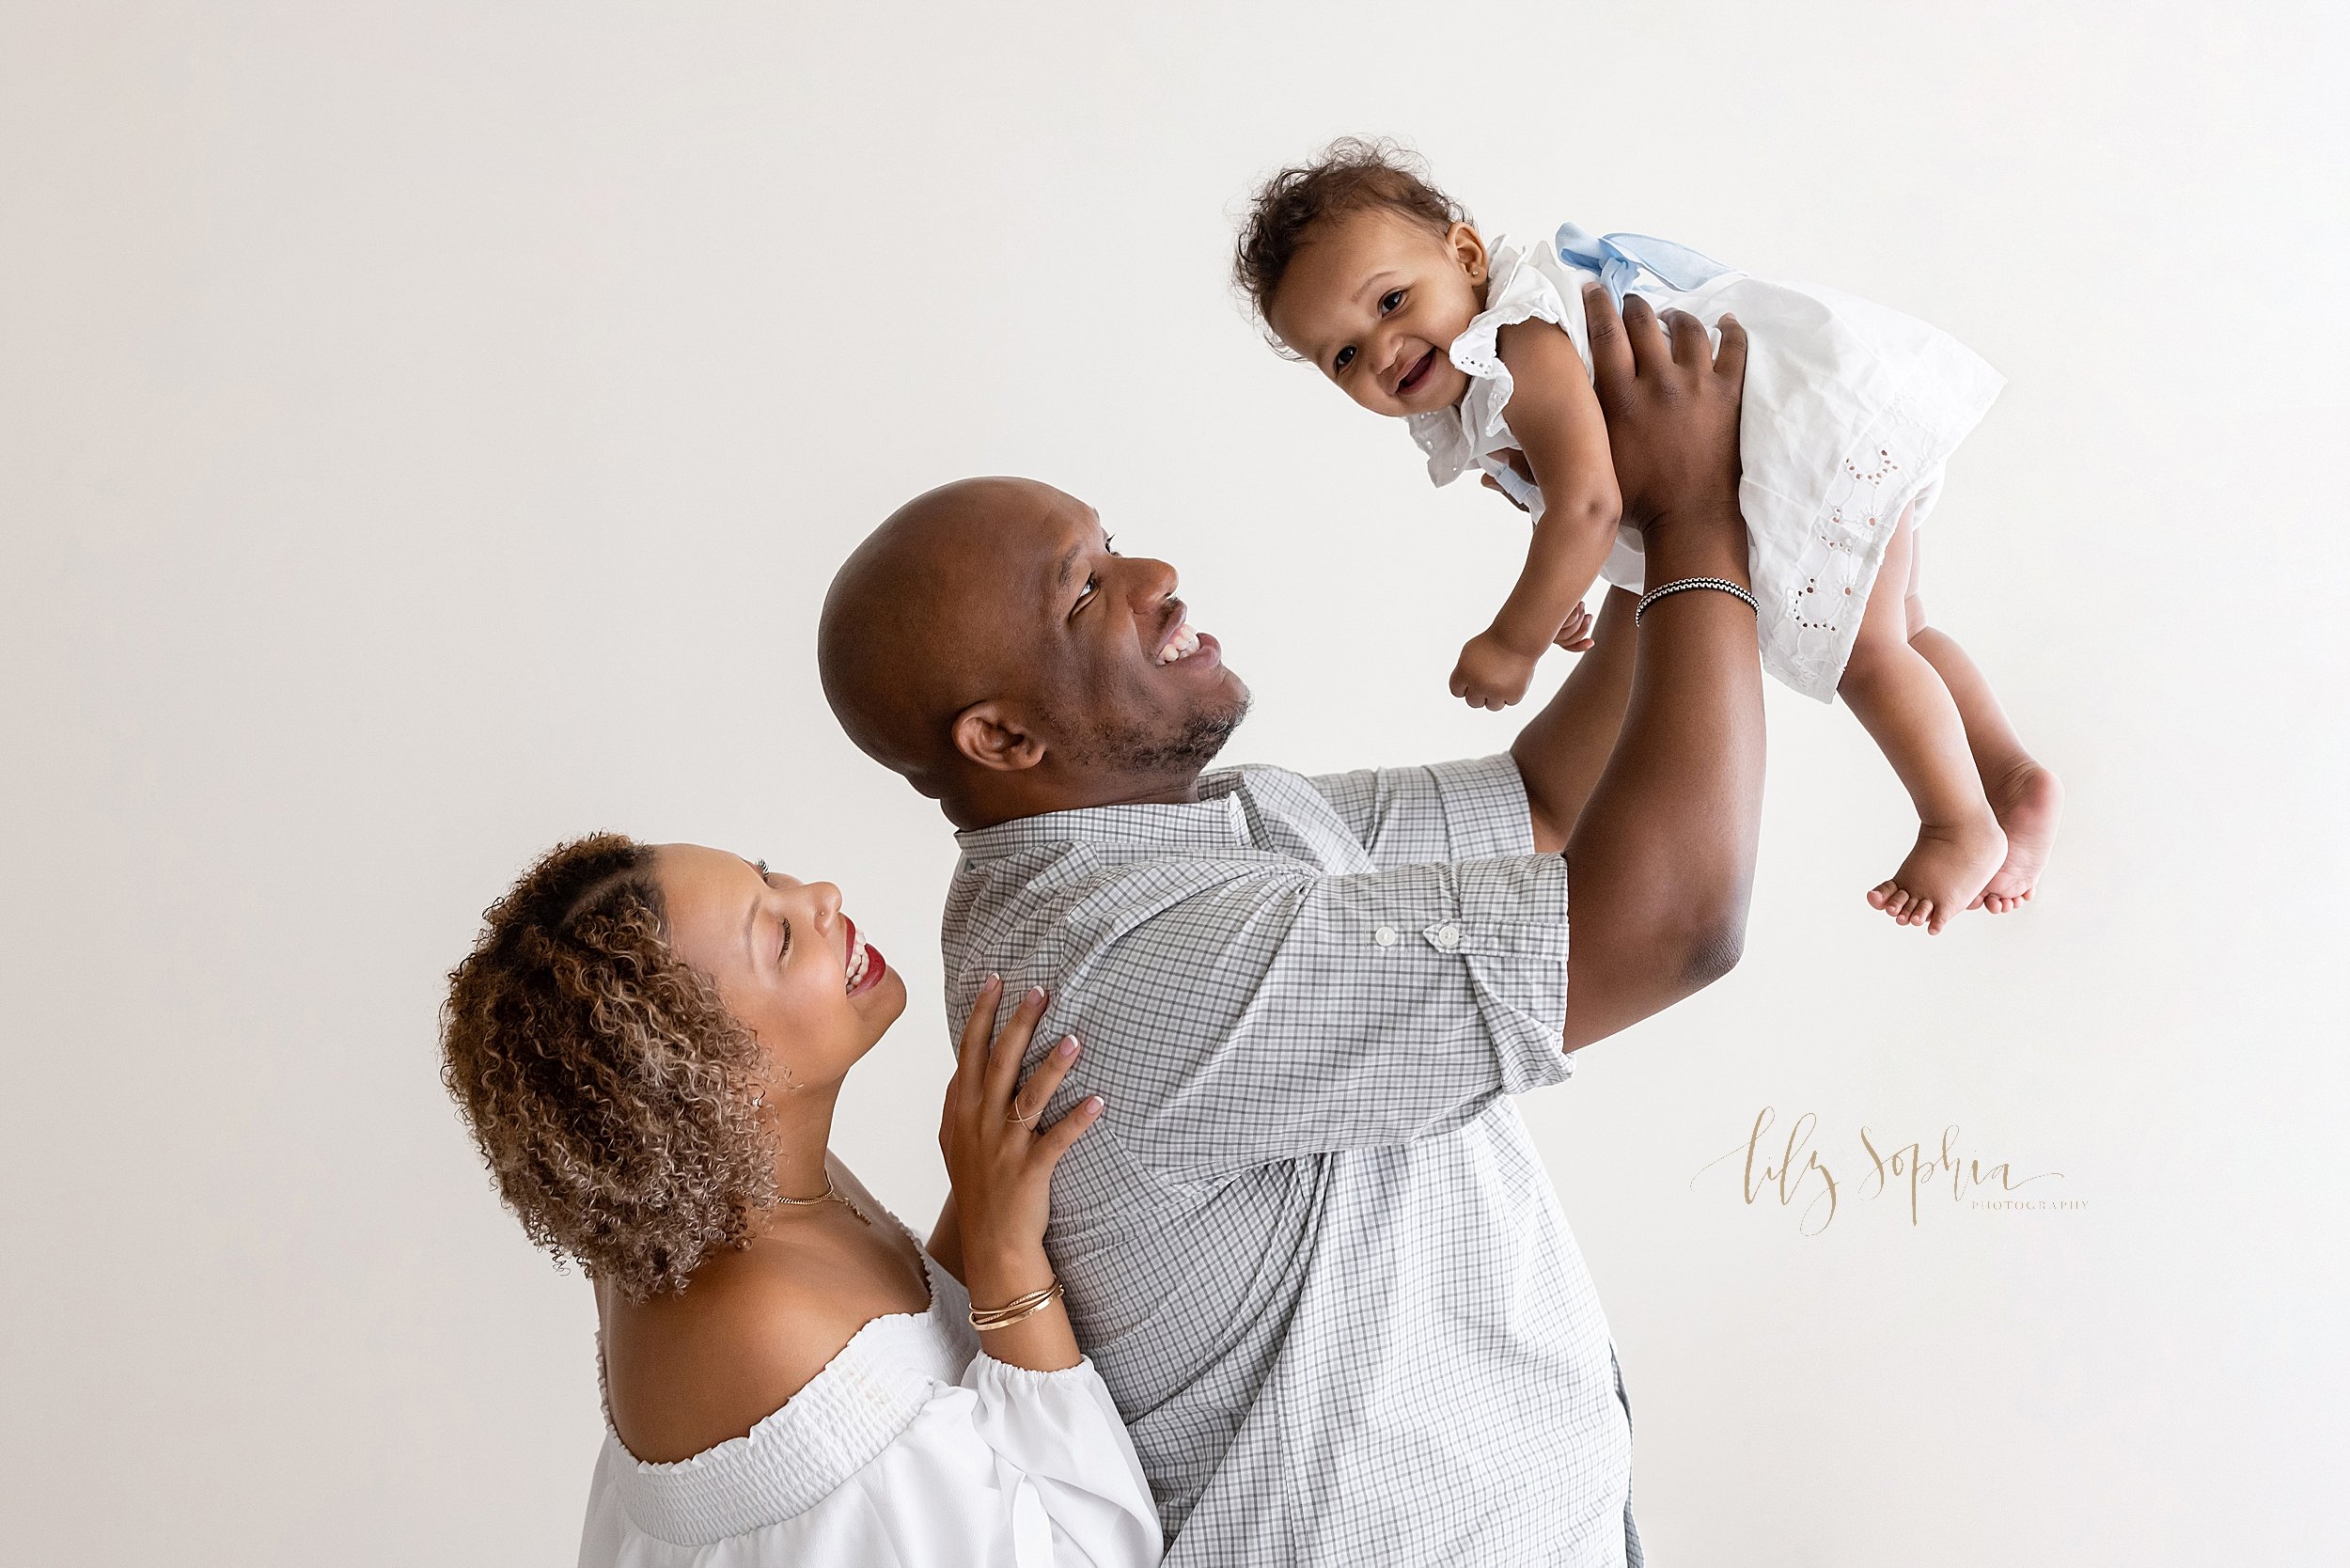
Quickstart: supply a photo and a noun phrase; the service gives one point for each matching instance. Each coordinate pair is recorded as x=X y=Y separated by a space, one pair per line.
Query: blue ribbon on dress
x=1621 y=259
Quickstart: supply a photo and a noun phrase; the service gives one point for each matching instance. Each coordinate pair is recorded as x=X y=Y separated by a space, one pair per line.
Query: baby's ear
x=1469 y=249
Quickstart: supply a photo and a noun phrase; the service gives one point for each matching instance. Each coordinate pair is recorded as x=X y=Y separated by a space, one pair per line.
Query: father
x=1311 y=1246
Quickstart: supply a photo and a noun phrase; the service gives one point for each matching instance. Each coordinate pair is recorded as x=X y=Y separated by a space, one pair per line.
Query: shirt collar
x=1218 y=820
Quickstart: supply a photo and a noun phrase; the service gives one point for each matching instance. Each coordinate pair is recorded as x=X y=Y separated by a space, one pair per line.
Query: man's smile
x=1182 y=643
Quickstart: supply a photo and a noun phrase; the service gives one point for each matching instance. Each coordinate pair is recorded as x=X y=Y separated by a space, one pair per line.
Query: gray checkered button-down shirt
x=1311 y=1248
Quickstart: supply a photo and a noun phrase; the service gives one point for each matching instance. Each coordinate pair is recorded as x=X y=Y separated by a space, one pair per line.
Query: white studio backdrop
x=427 y=431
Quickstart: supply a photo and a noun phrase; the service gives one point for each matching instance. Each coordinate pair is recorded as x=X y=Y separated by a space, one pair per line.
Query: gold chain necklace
x=830 y=1195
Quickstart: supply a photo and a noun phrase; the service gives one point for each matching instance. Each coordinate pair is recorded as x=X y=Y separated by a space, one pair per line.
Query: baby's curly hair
x=1350 y=175
x=613 y=1096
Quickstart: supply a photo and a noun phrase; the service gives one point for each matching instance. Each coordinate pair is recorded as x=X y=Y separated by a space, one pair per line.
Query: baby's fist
x=1492 y=674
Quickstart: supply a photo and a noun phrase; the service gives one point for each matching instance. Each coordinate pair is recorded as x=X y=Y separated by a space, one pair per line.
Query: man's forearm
x=1562 y=749
x=1662 y=857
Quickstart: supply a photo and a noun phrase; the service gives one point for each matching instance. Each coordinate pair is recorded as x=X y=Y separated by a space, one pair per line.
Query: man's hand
x=1660 y=853
x=1672 y=413
x=1524 y=470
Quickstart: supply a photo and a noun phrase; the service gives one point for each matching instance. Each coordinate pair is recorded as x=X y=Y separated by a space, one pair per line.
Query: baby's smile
x=1416 y=375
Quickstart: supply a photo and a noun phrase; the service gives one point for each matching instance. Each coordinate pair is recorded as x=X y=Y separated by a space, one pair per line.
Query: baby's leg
x=1907 y=710
x=2025 y=795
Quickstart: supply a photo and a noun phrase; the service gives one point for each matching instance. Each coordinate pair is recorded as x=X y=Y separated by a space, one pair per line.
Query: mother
x=648 y=1044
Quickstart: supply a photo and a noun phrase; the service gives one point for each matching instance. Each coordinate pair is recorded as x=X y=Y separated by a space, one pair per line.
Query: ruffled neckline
x=797 y=1454
x=1454 y=438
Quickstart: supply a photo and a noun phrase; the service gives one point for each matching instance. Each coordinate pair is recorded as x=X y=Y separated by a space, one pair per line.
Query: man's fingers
x=1038 y=1091
x=1729 y=362
x=1494 y=485
x=1012 y=1044
x=1611 y=352
x=1690 y=345
x=1649 y=348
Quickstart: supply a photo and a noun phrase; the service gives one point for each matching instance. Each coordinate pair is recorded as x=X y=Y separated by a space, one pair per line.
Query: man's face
x=1119 y=682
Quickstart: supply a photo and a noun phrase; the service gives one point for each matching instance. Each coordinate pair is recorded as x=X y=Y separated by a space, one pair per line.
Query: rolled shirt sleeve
x=1289 y=966
x=1466 y=810
x=1280 y=1014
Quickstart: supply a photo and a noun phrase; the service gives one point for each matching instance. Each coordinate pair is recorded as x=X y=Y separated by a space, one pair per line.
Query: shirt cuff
x=1512 y=931
x=1485 y=809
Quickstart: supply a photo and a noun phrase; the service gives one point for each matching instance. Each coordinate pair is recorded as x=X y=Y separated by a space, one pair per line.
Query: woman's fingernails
x=993 y=982
x=1036 y=994
x=1068 y=1047
x=1096 y=1104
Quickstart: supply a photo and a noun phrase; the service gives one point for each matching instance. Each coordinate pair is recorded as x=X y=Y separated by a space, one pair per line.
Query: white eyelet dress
x=912 y=1449
x=1850 y=414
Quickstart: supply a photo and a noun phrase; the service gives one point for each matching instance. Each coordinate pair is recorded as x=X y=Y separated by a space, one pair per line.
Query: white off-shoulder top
x=912 y=1448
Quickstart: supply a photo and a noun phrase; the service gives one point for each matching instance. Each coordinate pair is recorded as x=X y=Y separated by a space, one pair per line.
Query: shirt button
x=1384 y=936
x=1447 y=936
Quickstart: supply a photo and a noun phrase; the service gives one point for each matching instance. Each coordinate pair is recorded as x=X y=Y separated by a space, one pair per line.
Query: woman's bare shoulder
x=685 y=1372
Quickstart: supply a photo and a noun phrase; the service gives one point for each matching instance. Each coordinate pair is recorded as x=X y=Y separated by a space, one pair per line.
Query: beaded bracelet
x=1723 y=585
x=1015 y=1310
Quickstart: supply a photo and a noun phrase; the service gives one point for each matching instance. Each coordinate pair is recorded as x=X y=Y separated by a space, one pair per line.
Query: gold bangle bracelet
x=1015 y=1310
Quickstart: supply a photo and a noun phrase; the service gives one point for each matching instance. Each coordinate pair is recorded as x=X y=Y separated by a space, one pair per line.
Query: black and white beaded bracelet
x=1721 y=584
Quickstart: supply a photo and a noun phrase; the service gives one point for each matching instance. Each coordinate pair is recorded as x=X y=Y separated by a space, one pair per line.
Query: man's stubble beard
x=1113 y=748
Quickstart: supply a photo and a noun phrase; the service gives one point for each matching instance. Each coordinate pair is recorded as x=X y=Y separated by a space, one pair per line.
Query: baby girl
x=1361 y=267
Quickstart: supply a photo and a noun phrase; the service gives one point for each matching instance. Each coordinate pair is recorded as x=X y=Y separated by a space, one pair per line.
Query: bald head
x=906 y=643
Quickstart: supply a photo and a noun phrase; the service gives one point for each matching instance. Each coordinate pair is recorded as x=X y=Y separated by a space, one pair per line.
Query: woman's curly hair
x=614 y=1096
x=1350 y=175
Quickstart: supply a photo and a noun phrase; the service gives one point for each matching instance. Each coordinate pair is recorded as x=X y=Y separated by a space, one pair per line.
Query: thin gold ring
x=1023 y=1120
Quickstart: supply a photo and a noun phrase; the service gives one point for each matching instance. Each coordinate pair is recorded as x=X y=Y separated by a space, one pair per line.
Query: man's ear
x=1469 y=249
x=992 y=734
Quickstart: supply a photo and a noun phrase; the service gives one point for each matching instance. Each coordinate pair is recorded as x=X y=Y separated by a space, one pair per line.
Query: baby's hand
x=1492 y=674
x=1575 y=636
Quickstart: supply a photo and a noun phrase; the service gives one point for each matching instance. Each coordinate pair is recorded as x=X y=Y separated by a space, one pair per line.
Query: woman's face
x=786 y=962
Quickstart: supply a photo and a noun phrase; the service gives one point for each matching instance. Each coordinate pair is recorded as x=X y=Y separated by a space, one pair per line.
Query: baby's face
x=1375 y=300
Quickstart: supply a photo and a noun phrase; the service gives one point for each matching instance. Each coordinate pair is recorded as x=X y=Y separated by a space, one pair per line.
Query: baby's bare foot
x=1943 y=874
x=2028 y=801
